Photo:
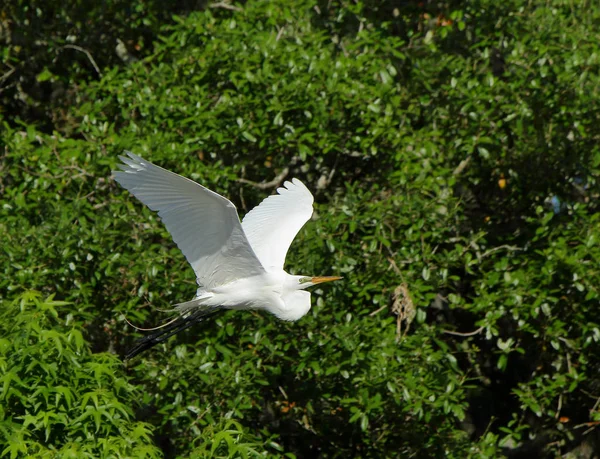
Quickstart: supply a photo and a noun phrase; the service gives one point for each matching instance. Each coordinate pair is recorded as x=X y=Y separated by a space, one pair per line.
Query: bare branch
x=596 y=405
x=591 y=424
x=272 y=184
x=280 y=33
x=87 y=53
x=7 y=74
x=377 y=311
x=473 y=333
x=461 y=166
x=395 y=267
x=510 y=248
x=225 y=6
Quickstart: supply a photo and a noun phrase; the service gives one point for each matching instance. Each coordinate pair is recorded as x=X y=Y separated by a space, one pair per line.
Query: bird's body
x=238 y=265
x=271 y=292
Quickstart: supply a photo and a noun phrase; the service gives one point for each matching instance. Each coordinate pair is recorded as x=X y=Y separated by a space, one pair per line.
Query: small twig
x=559 y=406
x=592 y=425
x=7 y=74
x=473 y=333
x=90 y=194
x=283 y=392
x=587 y=424
x=272 y=184
x=510 y=248
x=225 y=6
x=596 y=405
x=87 y=53
x=324 y=179
x=100 y=205
x=579 y=189
x=395 y=267
x=461 y=166
x=591 y=396
x=280 y=33
x=242 y=200
x=590 y=429
x=199 y=418
x=377 y=311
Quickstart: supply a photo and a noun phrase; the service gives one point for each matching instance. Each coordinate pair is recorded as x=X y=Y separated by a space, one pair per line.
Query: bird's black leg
x=182 y=323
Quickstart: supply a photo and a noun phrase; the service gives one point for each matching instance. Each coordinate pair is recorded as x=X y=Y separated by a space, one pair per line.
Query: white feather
x=204 y=225
x=274 y=223
x=238 y=265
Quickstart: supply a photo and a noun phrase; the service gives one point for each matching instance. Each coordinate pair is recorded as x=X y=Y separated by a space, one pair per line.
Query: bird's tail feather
x=186 y=320
x=193 y=304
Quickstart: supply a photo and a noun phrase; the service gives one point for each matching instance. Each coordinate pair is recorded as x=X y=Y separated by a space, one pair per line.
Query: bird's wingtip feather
x=133 y=155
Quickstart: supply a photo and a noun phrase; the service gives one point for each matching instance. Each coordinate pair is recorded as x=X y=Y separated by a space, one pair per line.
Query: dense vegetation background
x=454 y=151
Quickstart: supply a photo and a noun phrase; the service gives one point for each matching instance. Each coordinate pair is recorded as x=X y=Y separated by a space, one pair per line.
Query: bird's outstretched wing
x=273 y=224
x=204 y=225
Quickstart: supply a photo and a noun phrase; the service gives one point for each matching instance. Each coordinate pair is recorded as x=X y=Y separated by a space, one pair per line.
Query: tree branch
x=225 y=6
x=473 y=333
x=87 y=53
x=272 y=184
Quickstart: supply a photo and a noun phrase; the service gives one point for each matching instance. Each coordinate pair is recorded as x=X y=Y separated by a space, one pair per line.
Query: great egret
x=237 y=265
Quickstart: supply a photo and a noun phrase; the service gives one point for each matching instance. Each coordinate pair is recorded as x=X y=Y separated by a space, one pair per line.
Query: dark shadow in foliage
x=53 y=46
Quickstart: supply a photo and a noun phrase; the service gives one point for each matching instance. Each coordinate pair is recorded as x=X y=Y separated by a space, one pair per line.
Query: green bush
x=59 y=399
x=452 y=150
x=49 y=47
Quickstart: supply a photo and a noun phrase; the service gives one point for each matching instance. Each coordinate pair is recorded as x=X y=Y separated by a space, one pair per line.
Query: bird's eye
x=304 y=280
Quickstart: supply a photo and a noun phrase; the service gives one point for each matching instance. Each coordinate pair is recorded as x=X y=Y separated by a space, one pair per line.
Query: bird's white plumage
x=238 y=265
x=297 y=304
x=274 y=223
x=204 y=225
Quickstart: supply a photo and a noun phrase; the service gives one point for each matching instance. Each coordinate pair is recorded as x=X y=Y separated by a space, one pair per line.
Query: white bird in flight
x=237 y=265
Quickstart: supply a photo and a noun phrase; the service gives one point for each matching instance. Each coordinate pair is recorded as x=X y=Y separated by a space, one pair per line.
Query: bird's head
x=306 y=281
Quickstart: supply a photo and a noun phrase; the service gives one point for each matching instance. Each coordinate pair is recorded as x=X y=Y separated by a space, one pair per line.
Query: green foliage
x=49 y=47
x=58 y=399
x=453 y=151
x=228 y=439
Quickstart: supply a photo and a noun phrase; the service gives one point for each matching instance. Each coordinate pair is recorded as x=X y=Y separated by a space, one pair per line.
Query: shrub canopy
x=453 y=150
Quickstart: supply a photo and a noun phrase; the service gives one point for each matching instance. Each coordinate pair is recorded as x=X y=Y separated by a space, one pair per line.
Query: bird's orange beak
x=321 y=279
